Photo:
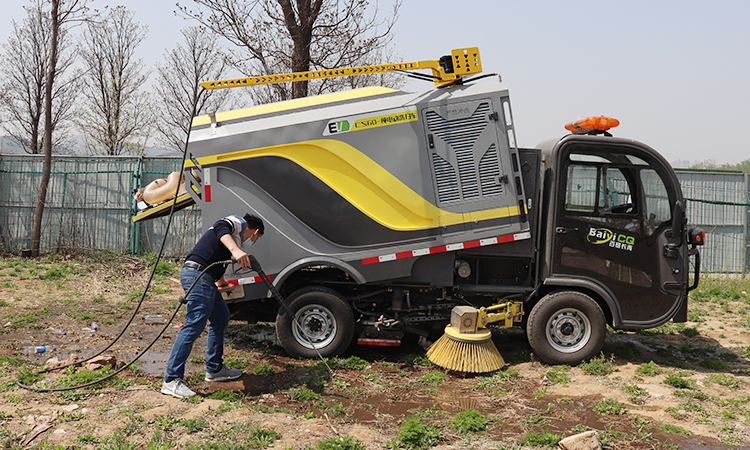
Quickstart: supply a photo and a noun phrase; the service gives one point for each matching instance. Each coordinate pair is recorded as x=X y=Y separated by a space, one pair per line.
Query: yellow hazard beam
x=464 y=61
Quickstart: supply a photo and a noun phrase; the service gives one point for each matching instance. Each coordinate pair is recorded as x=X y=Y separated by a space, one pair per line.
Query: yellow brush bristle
x=471 y=357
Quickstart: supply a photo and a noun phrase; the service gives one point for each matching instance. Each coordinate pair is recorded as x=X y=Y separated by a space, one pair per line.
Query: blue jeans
x=204 y=304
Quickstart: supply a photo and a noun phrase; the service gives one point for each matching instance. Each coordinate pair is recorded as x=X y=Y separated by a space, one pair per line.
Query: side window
x=657 y=210
x=581 y=189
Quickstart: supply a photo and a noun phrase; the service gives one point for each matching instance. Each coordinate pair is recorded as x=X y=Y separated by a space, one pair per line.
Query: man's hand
x=241 y=258
x=237 y=253
x=222 y=284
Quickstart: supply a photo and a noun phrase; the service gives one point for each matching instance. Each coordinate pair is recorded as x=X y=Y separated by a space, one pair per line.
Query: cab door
x=613 y=226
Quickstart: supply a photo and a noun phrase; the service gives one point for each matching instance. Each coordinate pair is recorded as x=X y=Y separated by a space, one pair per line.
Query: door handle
x=563 y=230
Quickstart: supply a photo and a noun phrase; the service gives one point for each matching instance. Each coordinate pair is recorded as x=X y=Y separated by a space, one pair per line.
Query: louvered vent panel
x=489 y=171
x=461 y=134
x=445 y=176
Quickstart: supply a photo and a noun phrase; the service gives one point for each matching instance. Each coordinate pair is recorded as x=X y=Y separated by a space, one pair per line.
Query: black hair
x=254 y=222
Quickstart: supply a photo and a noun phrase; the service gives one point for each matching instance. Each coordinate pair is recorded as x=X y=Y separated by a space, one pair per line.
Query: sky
x=676 y=74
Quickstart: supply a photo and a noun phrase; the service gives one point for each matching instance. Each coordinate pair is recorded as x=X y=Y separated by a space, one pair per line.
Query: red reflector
x=379 y=342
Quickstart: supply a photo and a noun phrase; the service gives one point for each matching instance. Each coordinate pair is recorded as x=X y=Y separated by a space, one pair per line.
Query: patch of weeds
x=235 y=363
x=164 y=269
x=304 y=395
x=338 y=410
x=713 y=364
x=675 y=413
x=609 y=407
x=85 y=377
x=674 y=429
x=350 y=363
x=264 y=369
x=544 y=438
x=432 y=379
x=690 y=331
x=414 y=435
x=693 y=407
x=649 y=369
x=558 y=375
x=730 y=440
x=723 y=379
x=200 y=359
x=470 y=421
x=541 y=392
x=636 y=394
x=511 y=373
x=10 y=361
x=194 y=399
x=340 y=443
x=27 y=377
x=535 y=419
x=262 y=438
x=86 y=439
x=55 y=273
x=267 y=409
x=4 y=416
x=71 y=417
x=194 y=425
x=416 y=360
x=680 y=383
x=700 y=396
x=165 y=423
x=599 y=366
x=225 y=394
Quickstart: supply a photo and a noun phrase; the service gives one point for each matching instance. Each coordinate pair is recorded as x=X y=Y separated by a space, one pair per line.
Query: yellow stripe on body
x=364 y=183
x=294 y=104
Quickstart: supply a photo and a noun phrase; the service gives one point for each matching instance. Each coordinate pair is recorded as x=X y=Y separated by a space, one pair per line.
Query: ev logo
x=338 y=127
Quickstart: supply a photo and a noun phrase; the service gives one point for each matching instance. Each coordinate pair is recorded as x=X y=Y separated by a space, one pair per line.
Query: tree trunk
x=41 y=198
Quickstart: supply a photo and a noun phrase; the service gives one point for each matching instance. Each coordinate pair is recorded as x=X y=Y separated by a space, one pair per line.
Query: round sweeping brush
x=466 y=352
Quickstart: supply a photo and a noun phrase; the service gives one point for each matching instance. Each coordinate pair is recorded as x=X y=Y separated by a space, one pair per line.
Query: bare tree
x=115 y=116
x=62 y=12
x=279 y=36
x=178 y=86
x=23 y=74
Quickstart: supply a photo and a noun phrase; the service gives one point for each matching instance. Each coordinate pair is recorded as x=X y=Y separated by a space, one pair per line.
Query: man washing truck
x=386 y=209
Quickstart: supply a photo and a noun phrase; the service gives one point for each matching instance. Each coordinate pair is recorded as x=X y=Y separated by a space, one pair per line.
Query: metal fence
x=90 y=205
x=719 y=202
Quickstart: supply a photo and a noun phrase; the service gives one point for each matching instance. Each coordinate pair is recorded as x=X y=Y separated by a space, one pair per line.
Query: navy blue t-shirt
x=209 y=248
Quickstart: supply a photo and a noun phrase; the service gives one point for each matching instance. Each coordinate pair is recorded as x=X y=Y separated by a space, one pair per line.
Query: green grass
x=340 y=443
x=599 y=366
x=636 y=394
x=470 y=421
x=414 y=435
x=680 y=382
x=609 y=407
x=264 y=369
x=304 y=395
x=558 y=375
x=674 y=429
x=544 y=438
x=650 y=369
x=432 y=379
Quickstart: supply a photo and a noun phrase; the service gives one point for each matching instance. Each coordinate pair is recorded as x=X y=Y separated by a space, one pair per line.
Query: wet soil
x=305 y=404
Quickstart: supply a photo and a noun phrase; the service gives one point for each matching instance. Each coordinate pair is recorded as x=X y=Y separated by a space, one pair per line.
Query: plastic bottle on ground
x=44 y=348
x=57 y=331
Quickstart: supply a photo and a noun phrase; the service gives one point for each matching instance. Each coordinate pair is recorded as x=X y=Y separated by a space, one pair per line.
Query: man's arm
x=237 y=253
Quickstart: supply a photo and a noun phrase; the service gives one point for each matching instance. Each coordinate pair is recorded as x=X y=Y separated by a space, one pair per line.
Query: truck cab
x=615 y=233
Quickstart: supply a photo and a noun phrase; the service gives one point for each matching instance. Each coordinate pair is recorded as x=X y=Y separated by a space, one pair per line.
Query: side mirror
x=678 y=218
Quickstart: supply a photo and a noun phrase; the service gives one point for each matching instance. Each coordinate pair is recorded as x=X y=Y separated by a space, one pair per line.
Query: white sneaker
x=224 y=374
x=176 y=388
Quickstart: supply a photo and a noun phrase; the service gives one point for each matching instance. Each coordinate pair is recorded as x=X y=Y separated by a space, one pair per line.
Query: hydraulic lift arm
x=447 y=71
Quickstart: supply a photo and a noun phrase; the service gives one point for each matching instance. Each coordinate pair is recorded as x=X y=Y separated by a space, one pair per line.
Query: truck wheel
x=566 y=328
x=325 y=317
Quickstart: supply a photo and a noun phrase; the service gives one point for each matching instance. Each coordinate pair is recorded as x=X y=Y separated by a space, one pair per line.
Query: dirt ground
x=681 y=386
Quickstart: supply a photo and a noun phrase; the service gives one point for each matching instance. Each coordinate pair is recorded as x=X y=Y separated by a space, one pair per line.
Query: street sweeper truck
x=390 y=214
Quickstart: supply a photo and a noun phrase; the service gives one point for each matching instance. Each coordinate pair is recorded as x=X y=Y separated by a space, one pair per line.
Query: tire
x=566 y=327
x=326 y=318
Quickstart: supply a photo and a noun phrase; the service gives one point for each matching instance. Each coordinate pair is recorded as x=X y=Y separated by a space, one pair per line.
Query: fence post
x=745 y=224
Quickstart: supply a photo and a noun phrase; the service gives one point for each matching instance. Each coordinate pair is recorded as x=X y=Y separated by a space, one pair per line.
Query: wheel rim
x=319 y=326
x=568 y=330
